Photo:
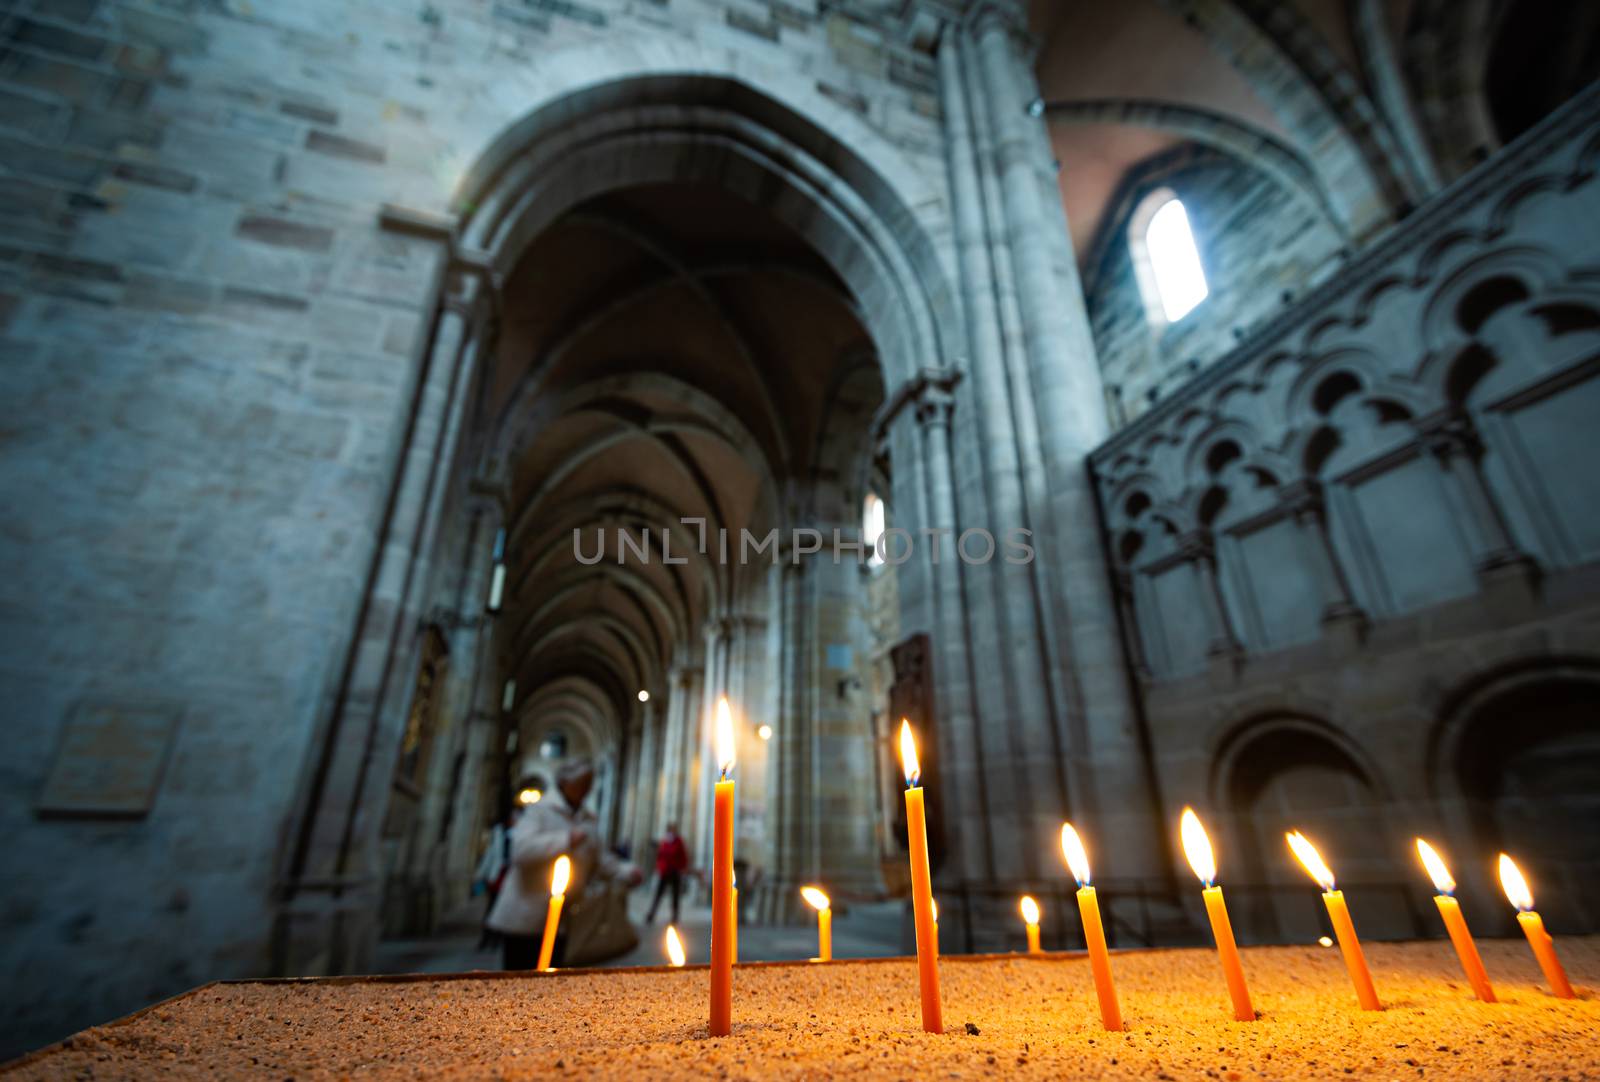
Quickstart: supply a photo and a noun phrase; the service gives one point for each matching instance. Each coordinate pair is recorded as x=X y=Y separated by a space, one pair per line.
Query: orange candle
x=1544 y=948
x=1197 y=847
x=1094 y=933
x=675 y=954
x=1454 y=922
x=921 y=884
x=560 y=876
x=819 y=902
x=722 y=926
x=736 y=919
x=1030 y=921
x=935 y=904
x=1338 y=913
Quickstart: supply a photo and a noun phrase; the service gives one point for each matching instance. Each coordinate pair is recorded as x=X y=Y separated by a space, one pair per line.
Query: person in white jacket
x=544 y=832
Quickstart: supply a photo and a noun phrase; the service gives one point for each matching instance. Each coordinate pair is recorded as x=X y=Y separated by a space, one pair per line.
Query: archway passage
x=678 y=375
x=1529 y=767
x=1290 y=775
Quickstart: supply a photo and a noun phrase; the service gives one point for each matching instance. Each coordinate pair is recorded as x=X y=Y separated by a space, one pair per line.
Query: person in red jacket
x=672 y=860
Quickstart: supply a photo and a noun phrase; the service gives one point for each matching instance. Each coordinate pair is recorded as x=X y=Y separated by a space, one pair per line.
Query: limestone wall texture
x=208 y=355
x=1356 y=557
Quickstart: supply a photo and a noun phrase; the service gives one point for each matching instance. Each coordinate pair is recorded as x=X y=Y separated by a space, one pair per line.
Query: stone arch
x=1514 y=764
x=1287 y=769
x=697 y=115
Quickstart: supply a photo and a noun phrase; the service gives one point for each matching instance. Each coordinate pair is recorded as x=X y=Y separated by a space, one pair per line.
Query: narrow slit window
x=1175 y=261
x=872 y=524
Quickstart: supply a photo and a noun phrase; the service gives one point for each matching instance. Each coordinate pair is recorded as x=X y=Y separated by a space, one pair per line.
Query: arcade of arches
x=499 y=390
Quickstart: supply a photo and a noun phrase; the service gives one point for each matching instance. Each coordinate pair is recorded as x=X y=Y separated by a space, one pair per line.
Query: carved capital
x=1452 y=435
x=933 y=393
x=1199 y=546
x=1304 y=499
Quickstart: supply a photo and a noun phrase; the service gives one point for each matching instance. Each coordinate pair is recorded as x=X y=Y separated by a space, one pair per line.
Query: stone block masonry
x=207 y=344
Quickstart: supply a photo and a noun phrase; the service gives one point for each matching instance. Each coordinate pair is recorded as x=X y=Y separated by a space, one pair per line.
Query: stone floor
x=861 y=931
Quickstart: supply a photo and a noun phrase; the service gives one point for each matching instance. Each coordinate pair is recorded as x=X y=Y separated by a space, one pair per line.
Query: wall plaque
x=110 y=761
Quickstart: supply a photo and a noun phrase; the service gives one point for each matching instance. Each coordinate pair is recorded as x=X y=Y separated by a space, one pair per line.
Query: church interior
x=415 y=414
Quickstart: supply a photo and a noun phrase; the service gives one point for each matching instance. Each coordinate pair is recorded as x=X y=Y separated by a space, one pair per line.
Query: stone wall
x=1357 y=558
x=213 y=356
x=1260 y=246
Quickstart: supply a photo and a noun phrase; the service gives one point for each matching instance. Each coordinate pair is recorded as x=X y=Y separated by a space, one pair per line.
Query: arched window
x=1165 y=259
x=872 y=523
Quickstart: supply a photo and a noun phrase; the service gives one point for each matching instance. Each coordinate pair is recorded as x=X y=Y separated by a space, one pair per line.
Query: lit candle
x=722 y=924
x=1197 y=847
x=921 y=884
x=819 y=902
x=1454 y=922
x=560 y=876
x=1030 y=920
x=1339 y=914
x=1094 y=935
x=675 y=955
x=1544 y=948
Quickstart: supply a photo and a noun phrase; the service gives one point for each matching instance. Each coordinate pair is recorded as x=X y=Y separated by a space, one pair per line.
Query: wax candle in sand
x=560 y=876
x=1197 y=847
x=819 y=902
x=722 y=927
x=1454 y=922
x=921 y=884
x=1030 y=921
x=1094 y=934
x=1544 y=948
x=1343 y=929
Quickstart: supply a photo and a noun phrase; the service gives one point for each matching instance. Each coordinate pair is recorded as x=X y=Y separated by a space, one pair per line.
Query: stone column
x=1199 y=551
x=673 y=797
x=1454 y=442
x=1342 y=618
x=718 y=641
x=963 y=753
x=647 y=777
x=1129 y=609
x=329 y=890
x=794 y=859
x=1065 y=392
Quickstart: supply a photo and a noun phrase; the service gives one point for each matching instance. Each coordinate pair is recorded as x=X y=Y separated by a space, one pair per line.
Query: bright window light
x=1180 y=281
x=872 y=527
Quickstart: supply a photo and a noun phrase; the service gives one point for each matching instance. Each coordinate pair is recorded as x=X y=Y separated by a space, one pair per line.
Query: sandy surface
x=1007 y=1017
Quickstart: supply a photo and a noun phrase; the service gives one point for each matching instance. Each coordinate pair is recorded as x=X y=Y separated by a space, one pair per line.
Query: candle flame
x=818 y=900
x=560 y=875
x=1197 y=847
x=529 y=797
x=675 y=955
x=1077 y=856
x=908 y=755
x=722 y=736
x=1516 y=887
x=1442 y=880
x=1030 y=910
x=1311 y=859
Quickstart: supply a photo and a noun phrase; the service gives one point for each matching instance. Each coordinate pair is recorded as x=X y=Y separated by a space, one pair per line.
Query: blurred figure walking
x=672 y=860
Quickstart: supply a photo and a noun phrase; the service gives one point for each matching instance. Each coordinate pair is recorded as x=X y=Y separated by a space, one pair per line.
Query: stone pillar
x=1065 y=392
x=1455 y=443
x=964 y=753
x=1199 y=551
x=718 y=643
x=1342 y=618
x=1128 y=608
x=646 y=779
x=329 y=890
x=794 y=859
